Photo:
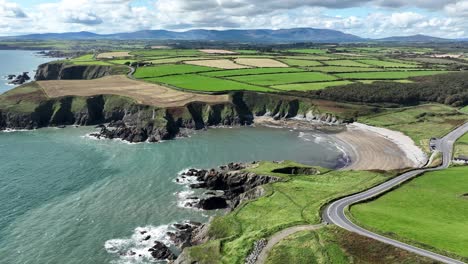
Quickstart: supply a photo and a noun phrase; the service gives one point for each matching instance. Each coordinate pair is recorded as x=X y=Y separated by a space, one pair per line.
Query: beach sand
x=369 y=148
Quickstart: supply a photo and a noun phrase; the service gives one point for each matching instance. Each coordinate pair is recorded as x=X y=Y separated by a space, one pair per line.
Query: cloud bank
x=367 y=18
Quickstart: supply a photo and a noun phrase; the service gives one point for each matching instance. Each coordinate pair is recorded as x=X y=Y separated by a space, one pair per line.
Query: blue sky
x=366 y=18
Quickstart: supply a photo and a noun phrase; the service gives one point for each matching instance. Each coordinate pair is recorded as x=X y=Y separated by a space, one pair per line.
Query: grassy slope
x=23 y=99
x=295 y=201
x=420 y=123
x=461 y=146
x=429 y=210
x=334 y=245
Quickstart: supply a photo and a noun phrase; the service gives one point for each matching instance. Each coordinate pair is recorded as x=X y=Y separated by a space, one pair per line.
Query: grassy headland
x=296 y=200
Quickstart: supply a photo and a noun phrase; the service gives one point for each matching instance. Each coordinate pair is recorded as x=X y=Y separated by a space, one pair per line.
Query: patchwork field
x=272 y=71
x=430 y=210
x=220 y=64
x=142 y=92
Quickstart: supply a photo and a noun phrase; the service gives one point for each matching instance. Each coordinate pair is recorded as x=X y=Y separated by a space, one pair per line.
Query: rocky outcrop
x=235 y=184
x=20 y=79
x=64 y=71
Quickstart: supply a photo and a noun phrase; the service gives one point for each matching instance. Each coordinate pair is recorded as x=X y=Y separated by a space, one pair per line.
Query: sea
x=68 y=198
x=16 y=62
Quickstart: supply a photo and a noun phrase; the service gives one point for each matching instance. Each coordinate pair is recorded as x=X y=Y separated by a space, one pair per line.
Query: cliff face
x=63 y=71
x=137 y=123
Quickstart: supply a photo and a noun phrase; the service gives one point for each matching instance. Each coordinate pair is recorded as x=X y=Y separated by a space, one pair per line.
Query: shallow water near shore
x=16 y=62
x=68 y=198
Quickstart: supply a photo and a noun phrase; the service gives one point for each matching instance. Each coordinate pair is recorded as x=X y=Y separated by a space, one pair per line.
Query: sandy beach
x=370 y=148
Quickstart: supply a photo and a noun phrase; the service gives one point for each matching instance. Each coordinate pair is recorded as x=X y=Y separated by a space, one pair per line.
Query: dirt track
x=142 y=92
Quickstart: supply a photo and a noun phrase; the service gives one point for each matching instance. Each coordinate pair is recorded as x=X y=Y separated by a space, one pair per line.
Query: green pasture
x=169 y=69
x=387 y=75
x=310 y=86
x=253 y=71
x=430 y=210
x=284 y=78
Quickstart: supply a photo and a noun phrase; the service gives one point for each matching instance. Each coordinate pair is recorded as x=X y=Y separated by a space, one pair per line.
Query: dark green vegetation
x=334 y=245
x=450 y=89
x=429 y=211
x=296 y=200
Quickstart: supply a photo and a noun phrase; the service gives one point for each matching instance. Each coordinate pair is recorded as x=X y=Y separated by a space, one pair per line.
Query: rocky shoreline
x=226 y=187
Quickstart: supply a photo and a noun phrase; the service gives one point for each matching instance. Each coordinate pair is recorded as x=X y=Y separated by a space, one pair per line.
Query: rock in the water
x=20 y=79
x=161 y=252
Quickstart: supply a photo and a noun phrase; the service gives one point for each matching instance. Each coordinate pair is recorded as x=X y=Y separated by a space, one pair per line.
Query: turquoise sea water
x=67 y=198
x=16 y=62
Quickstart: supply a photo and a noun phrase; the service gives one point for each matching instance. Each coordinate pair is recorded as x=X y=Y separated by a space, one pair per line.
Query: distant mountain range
x=250 y=36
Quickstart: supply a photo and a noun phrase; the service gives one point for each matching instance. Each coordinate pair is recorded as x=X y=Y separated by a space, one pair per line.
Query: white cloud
x=11 y=10
x=445 y=19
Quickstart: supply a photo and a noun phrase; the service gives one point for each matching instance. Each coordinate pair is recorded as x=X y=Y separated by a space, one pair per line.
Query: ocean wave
x=135 y=249
x=9 y=130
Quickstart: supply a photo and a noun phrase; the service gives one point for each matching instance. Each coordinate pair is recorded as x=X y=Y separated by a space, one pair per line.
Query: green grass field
x=332 y=244
x=310 y=86
x=309 y=51
x=301 y=63
x=253 y=71
x=196 y=82
x=388 y=64
x=169 y=69
x=461 y=146
x=343 y=69
x=166 y=52
x=284 y=78
x=346 y=63
x=295 y=201
x=431 y=210
x=464 y=110
x=420 y=123
x=386 y=75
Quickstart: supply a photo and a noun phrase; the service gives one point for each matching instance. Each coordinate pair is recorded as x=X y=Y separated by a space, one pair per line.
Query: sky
x=365 y=18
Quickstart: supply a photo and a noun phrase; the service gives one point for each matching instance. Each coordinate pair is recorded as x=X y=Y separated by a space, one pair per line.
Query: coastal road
x=335 y=212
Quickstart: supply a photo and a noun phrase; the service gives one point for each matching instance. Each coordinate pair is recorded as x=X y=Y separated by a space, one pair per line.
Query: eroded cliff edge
x=28 y=107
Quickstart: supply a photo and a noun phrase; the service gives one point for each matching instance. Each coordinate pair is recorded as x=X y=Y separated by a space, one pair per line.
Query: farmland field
x=303 y=63
x=260 y=62
x=142 y=92
x=342 y=69
x=272 y=71
x=284 y=78
x=169 y=69
x=387 y=75
x=310 y=86
x=348 y=63
x=252 y=71
x=220 y=64
x=203 y=83
x=388 y=64
x=431 y=210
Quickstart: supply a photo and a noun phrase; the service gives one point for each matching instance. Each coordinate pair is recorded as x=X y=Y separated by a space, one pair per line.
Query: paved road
x=276 y=238
x=335 y=212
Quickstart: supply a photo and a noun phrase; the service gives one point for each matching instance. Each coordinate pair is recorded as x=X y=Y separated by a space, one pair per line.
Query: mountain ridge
x=232 y=35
